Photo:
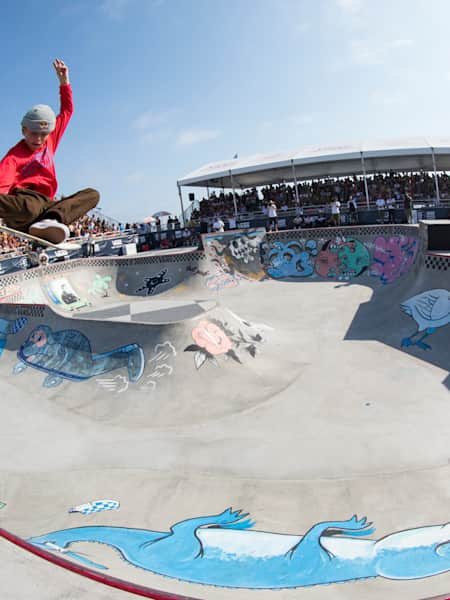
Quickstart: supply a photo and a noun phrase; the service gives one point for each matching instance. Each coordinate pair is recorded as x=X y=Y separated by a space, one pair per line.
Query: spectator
x=336 y=212
x=390 y=202
x=218 y=225
x=408 y=206
x=352 y=206
x=272 y=214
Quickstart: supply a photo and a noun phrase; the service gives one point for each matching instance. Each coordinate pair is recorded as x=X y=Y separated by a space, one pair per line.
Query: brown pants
x=24 y=207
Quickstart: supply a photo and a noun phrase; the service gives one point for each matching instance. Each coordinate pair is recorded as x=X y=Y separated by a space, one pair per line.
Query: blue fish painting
x=67 y=354
x=10 y=327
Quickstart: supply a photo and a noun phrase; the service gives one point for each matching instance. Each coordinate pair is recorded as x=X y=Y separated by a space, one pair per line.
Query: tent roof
x=311 y=162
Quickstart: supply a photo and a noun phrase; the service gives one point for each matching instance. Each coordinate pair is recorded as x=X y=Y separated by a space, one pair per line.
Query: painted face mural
x=224 y=550
x=67 y=354
x=293 y=259
x=430 y=310
x=236 y=255
x=342 y=259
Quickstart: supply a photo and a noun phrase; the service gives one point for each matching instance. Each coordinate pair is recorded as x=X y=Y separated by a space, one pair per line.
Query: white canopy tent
x=313 y=162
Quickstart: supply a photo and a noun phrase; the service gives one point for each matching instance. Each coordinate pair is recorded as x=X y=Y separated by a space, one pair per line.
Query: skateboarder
x=27 y=173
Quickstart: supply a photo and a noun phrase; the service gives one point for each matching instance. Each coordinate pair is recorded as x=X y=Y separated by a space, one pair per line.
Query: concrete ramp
x=267 y=416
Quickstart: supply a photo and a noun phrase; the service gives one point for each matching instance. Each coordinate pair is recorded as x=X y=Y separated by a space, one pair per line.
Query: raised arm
x=66 y=109
x=62 y=71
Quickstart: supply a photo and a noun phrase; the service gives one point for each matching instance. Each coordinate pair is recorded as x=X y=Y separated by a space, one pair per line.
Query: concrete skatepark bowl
x=269 y=415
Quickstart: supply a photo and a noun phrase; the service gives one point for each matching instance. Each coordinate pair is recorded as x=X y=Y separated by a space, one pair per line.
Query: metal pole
x=181 y=202
x=207 y=192
x=366 y=189
x=295 y=182
x=234 y=193
x=436 y=182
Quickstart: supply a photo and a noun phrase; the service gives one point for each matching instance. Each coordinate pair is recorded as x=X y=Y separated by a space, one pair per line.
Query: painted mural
x=62 y=294
x=10 y=327
x=152 y=283
x=89 y=508
x=224 y=550
x=430 y=310
x=393 y=257
x=293 y=259
x=216 y=340
x=159 y=366
x=235 y=257
x=100 y=286
x=67 y=354
x=341 y=258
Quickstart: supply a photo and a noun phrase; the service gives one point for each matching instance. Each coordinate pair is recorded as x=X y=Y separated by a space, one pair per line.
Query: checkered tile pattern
x=147 y=312
x=96 y=506
x=438 y=263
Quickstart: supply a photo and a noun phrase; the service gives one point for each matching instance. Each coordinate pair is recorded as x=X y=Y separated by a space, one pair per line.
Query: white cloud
x=195 y=136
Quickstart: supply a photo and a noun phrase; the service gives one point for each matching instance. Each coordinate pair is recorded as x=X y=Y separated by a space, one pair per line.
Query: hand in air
x=62 y=71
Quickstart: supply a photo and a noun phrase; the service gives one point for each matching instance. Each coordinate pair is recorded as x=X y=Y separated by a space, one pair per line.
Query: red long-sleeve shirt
x=35 y=169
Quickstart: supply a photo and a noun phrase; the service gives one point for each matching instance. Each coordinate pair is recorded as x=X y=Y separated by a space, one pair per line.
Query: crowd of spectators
x=317 y=194
x=86 y=226
x=322 y=192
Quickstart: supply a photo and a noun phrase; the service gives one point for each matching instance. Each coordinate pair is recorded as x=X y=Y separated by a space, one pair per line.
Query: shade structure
x=149 y=220
x=311 y=162
x=162 y=213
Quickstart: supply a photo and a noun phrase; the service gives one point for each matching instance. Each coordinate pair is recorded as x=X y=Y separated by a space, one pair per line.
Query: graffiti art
x=67 y=354
x=224 y=550
x=236 y=255
x=342 y=259
x=151 y=283
x=393 y=257
x=293 y=259
x=430 y=310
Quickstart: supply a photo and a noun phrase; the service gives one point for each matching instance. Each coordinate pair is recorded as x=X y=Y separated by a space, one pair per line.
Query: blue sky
x=163 y=87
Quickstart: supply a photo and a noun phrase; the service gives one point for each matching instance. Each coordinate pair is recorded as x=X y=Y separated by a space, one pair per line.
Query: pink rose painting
x=214 y=340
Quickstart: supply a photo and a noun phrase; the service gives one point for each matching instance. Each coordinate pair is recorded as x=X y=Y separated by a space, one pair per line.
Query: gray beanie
x=40 y=118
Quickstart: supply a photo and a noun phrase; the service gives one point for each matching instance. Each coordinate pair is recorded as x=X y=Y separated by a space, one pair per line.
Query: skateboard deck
x=32 y=238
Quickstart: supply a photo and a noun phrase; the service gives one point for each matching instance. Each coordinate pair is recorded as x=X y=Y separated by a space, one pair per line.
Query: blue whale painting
x=222 y=550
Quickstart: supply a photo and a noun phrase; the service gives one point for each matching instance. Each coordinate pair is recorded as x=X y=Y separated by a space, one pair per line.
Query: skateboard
x=32 y=238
